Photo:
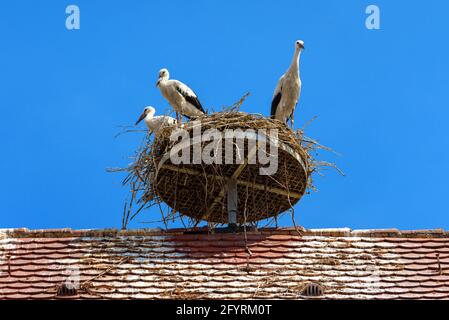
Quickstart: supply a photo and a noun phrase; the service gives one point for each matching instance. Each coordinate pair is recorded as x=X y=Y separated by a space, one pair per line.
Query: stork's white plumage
x=155 y=123
x=288 y=89
x=183 y=100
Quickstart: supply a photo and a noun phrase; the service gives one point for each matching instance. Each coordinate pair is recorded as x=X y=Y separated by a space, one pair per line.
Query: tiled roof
x=183 y=264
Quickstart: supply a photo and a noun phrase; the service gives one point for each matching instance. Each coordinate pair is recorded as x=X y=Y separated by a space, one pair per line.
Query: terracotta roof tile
x=192 y=264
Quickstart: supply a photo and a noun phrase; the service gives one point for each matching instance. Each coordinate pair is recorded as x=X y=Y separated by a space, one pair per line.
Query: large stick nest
x=198 y=191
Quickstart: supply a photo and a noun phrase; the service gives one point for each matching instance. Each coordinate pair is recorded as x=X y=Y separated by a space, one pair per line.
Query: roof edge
x=327 y=232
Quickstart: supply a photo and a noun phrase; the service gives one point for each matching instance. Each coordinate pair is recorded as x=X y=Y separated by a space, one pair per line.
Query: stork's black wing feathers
x=195 y=102
x=275 y=103
x=191 y=98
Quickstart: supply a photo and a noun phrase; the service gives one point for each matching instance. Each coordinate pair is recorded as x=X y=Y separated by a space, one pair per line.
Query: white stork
x=288 y=89
x=183 y=100
x=155 y=123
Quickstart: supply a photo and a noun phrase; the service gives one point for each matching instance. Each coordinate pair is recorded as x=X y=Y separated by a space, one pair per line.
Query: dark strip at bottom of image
x=229 y=309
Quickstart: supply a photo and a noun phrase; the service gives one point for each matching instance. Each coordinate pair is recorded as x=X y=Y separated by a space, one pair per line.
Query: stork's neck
x=295 y=61
x=149 y=116
x=162 y=81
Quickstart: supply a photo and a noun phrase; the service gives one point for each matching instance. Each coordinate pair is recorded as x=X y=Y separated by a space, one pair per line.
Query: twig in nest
x=291 y=206
x=318 y=145
x=126 y=129
x=244 y=224
x=308 y=123
x=236 y=106
x=331 y=165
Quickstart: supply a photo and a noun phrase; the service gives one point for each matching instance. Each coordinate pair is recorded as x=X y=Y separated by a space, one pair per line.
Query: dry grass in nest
x=198 y=191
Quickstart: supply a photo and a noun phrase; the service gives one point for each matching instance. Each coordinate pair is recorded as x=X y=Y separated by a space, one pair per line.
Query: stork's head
x=163 y=75
x=299 y=44
x=147 y=111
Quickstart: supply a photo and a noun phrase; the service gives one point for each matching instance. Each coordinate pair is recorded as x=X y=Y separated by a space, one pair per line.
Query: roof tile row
x=187 y=264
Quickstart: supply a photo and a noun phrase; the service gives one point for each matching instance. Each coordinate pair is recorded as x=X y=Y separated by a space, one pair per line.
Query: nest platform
x=199 y=191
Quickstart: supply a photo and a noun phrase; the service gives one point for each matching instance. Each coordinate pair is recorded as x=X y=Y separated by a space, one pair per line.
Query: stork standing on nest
x=288 y=89
x=180 y=96
x=155 y=123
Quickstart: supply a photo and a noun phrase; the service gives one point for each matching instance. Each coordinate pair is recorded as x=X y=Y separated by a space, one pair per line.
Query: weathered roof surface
x=183 y=264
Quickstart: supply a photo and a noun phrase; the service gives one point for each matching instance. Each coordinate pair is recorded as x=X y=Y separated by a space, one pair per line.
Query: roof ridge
x=325 y=232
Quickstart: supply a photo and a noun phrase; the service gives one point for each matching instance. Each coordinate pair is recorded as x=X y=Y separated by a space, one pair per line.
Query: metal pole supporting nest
x=232 y=201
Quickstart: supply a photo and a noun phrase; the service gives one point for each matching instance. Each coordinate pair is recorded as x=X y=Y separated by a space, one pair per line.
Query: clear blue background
x=381 y=98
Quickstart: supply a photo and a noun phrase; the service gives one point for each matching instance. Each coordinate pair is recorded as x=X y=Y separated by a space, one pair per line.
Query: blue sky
x=381 y=97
